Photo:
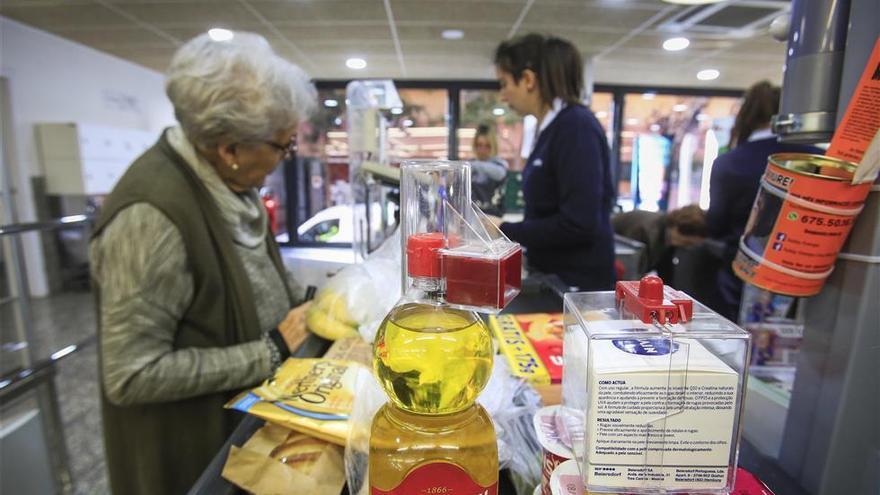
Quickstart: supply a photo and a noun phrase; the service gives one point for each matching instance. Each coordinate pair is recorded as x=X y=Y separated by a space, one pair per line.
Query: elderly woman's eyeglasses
x=287 y=151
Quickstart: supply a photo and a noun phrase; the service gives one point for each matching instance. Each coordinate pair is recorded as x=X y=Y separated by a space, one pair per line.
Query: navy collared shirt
x=568 y=192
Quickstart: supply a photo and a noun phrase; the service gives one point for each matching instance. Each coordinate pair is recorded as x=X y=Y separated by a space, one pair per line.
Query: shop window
x=484 y=107
x=667 y=146
x=315 y=183
x=419 y=129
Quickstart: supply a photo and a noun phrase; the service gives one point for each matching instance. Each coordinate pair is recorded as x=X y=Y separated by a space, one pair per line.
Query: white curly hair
x=236 y=90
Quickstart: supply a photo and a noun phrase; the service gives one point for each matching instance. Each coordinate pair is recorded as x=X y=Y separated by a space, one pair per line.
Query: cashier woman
x=194 y=303
x=567 y=182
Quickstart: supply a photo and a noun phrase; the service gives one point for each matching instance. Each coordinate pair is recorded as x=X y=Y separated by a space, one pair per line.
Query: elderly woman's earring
x=234 y=166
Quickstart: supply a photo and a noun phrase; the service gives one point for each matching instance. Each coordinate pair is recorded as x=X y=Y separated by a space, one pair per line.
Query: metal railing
x=32 y=376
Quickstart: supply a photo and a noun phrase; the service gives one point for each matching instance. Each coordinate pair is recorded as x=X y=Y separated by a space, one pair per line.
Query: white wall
x=55 y=80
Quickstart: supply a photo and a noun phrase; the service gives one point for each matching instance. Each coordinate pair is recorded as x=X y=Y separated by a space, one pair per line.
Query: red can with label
x=801 y=217
x=438 y=478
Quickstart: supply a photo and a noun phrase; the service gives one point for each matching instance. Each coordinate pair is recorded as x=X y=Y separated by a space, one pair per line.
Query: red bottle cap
x=422 y=258
x=650 y=301
x=651 y=288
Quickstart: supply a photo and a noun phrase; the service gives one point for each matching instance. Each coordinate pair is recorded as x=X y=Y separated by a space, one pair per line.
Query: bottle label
x=438 y=478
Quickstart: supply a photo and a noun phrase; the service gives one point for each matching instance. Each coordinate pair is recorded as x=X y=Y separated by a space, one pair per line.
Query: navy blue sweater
x=736 y=176
x=568 y=193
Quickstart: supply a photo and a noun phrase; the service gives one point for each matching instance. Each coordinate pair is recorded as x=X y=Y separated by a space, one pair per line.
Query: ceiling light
x=220 y=34
x=601 y=115
x=632 y=121
x=396 y=111
x=407 y=123
x=702 y=116
x=648 y=96
x=681 y=107
x=337 y=121
x=498 y=111
x=331 y=103
x=356 y=63
x=708 y=74
x=452 y=34
x=676 y=44
x=692 y=2
x=655 y=127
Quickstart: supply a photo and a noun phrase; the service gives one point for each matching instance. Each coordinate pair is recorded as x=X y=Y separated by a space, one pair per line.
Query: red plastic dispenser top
x=422 y=256
x=649 y=300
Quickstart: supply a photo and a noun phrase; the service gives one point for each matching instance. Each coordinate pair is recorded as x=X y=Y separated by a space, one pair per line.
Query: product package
x=532 y=344
x=275 y=459
x=555 y=443
x=353 y=349
x=566 y=480
x=312 y=396
x=657 y=385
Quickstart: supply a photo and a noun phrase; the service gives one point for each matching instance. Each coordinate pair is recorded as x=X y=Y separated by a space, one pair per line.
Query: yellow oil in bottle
x=453 y=454
x=432 y=359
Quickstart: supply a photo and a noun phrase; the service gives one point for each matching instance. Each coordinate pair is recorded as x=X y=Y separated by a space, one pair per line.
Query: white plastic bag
x=357 y=298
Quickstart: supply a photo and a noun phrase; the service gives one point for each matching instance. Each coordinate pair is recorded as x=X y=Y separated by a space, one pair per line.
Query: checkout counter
x=539 y=294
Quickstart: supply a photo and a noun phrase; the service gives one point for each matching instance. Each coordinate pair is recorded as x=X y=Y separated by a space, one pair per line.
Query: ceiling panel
x=129 y=37
x=343 y=52
x=184 y=33
x=466 y=50
x=588 y=42
x=352 y=35
x=320 y=34
x=59 y=16
x=653 y=40
x=447 y=13
x=409 y=32
x=44 y=3
x=622 y=17
x=218 y=13
x=323 y=10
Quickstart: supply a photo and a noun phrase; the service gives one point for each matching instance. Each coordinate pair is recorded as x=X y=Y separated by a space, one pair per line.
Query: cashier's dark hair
x=556 y=63
x=761 y=102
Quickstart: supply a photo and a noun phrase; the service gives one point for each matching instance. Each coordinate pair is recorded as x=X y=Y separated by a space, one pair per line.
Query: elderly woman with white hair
x=194 y=303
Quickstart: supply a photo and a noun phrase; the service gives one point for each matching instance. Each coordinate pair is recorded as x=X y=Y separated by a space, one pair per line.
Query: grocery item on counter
x=532 y=344
x=312 y=396
x=328 y=316
x=657 y=388
x=275 y=459
x=566 y=480
x=351 y=349
x=433 y=354
x=433 y=359
x=356 y=299
x=555 y=444
x=409 y=452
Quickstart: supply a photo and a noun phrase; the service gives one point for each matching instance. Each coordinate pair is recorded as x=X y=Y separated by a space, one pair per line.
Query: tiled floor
x=59 y=321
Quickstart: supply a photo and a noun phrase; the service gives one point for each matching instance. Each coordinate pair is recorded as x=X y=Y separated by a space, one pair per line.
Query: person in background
x=661 y=233
x=736 y=176
x=488 y=172
x=567 y=180
x=194 y=303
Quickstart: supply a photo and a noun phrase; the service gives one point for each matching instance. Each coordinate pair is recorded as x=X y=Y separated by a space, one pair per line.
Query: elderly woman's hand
x=293 y=327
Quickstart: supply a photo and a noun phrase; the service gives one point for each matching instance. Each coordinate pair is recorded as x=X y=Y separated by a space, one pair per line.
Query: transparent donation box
x=445 y=236
x=652 y=390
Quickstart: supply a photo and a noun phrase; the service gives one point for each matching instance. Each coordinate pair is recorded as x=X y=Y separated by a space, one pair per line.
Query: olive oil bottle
x=433 y=359
x=415 y=454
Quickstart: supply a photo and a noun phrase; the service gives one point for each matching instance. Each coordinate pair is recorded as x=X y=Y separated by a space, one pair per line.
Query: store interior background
x=99 y=64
